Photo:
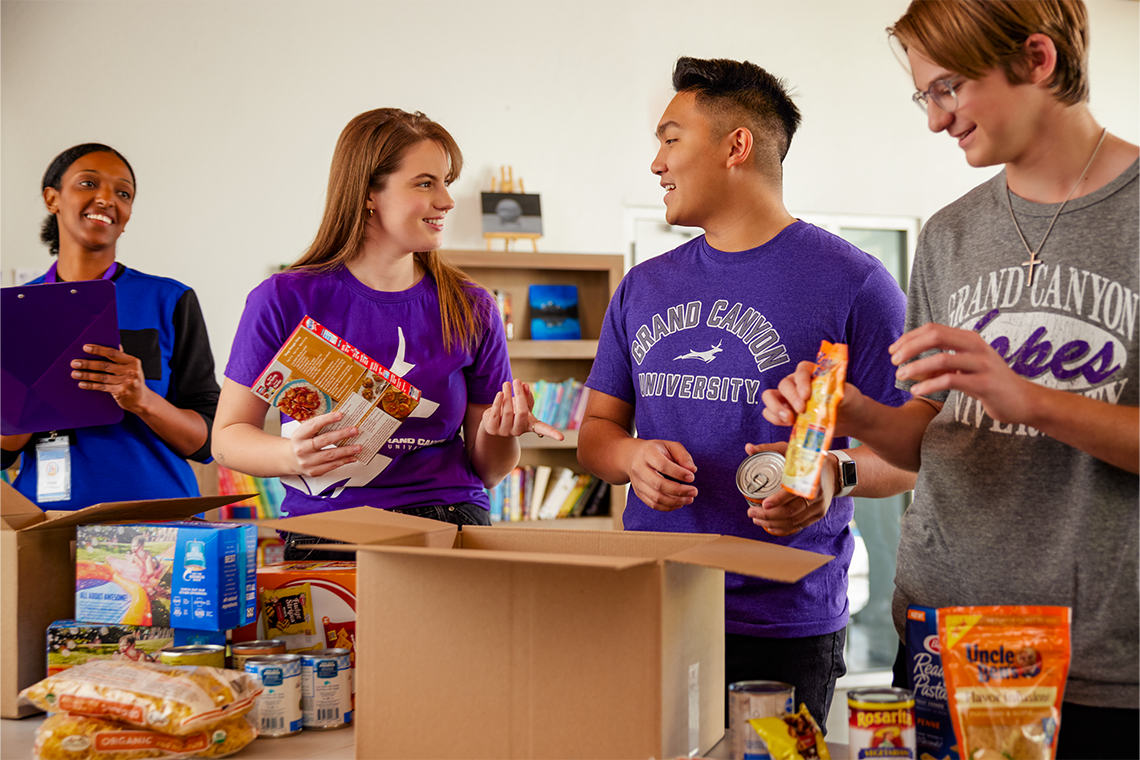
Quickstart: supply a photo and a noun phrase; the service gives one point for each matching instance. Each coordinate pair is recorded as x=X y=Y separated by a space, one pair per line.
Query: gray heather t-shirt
x=1003 y=514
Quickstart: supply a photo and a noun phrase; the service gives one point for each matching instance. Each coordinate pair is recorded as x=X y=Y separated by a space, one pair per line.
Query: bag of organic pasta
x=74 y=737
x=1005 y=669
x=169 y=699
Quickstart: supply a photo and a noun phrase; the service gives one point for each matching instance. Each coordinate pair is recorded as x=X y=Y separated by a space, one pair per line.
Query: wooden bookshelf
x=596 y=277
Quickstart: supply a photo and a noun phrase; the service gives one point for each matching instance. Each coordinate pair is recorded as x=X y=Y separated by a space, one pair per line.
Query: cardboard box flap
x=490 y=555
x=16 y=510
x=756 y=558
x=618 y=543
x=369 y=525
x=140 y=511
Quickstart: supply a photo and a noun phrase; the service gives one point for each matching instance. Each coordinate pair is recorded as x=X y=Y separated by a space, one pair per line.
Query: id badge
x=53 y=469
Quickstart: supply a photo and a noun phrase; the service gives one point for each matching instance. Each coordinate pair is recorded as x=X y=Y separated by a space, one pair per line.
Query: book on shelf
x=560 y=405
x=554 y=312
x=541 y=481
x=563 y=483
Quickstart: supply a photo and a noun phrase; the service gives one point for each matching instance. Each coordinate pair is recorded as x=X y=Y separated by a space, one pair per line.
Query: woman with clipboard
x=161 y=375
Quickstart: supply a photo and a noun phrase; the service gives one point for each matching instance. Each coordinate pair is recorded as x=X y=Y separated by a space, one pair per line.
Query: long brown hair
x=372 y=147
x=970 y=37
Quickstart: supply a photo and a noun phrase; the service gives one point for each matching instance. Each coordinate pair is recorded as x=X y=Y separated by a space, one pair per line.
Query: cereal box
x=317 y=372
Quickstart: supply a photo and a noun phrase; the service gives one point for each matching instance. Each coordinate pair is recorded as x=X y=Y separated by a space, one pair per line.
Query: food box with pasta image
x=173 y=574
x=38 y=567
x=317 y=372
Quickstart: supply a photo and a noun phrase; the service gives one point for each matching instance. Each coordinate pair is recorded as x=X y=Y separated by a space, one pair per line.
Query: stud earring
x=369 y=213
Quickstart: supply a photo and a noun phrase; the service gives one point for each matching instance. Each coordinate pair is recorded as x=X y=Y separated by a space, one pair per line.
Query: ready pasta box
x=934 y=732
x=37 y=562
x=192 y=575
x=540 y=643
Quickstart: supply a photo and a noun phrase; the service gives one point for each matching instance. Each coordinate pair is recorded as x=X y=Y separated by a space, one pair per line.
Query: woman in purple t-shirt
x=373 y=278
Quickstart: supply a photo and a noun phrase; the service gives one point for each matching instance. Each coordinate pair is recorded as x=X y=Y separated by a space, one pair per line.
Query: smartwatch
x=848 y=478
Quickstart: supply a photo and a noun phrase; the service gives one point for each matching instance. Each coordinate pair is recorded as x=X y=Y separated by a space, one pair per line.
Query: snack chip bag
x=1005 y=669
x=792 y=737
x=288 y=611
x=169 y=699
x=75 y=737
x=815 y=425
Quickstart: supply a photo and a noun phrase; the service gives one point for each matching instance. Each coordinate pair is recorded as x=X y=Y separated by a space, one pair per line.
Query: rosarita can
x=326 y=689
x=880 y=723
x=755 y=699
x=277 y=711
x=242 y=650
x=212 y=655
x=759 y=476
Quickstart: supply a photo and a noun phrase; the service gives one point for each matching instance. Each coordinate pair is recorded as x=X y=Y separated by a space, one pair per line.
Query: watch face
x=847 y=473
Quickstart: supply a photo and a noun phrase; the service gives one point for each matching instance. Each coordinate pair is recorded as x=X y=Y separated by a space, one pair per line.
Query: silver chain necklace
x=1033 y=262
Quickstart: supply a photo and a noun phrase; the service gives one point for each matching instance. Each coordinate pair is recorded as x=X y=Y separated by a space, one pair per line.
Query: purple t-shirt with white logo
x=425 y=462
x=693 y=337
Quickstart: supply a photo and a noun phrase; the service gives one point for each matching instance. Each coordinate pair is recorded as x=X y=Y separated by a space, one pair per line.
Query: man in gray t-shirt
x=1022 y=355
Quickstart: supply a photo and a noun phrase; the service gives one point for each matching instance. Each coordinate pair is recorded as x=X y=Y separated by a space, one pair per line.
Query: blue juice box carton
x=934 y=733
x=184 y=575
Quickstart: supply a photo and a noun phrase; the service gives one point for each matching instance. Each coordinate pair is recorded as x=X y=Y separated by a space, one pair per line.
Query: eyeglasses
x=942 y=92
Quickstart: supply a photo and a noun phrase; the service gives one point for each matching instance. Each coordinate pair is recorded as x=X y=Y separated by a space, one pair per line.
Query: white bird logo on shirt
x=705 y=356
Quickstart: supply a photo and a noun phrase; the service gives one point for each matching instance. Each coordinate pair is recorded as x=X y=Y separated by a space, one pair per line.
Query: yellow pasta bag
x=815 y=425
x=169 y=699
x=74 y=737
x=1005 y=669
x=792 y=737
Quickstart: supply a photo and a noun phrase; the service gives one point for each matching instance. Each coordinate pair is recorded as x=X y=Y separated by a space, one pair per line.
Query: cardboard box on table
x=37 y=565
x=500 y=642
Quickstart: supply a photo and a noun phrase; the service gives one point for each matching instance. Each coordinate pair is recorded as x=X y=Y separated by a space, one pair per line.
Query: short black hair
x=53 y=177
x=739 y=90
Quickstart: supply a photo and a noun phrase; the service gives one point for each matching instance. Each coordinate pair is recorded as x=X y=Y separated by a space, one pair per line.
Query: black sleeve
x=8 y=458
x=193 y=385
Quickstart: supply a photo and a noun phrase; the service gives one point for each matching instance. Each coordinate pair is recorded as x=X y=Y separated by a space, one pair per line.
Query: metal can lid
x=326 y=653
x=760 y=687
x=257 y=646
x=879 y=697
x=196 y=649
x=269 y=659
x=759 y=475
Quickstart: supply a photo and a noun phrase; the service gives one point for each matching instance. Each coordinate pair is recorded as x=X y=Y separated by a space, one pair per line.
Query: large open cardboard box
x=504 y=642
x=37 y=576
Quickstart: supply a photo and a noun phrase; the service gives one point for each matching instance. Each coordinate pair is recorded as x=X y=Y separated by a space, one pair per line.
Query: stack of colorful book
x=265 y=505
x=548 y=493
x=560 y=405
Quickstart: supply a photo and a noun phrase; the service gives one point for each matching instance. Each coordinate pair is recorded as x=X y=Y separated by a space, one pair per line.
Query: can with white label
x=277 y=711
x=755 y=699
x=881 y=723
x=326 y=689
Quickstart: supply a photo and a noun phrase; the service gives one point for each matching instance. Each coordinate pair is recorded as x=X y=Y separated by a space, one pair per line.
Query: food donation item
x=213 y=655
x=278 y=709
x=74 y=737
x=243 y=650
x=1005 y=668
x=792 y=737
x=755 y=699
x=815 y=425
x=326 y=689
x=880 y=723
x=172 y=700
x=934 y=733
x=759 y=476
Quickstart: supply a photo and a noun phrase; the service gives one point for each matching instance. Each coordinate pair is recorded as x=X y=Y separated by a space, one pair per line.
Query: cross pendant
x=1033 y=262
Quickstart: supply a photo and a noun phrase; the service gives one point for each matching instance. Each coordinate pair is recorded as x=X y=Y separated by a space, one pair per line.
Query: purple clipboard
x=44 y=329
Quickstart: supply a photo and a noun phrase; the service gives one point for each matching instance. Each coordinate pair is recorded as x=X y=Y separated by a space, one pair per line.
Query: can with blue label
x=277 y=711
x=326 y=689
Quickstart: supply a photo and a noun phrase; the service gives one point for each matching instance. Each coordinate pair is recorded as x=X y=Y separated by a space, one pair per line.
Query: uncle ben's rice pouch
x=815 y=425
x=1005 y=669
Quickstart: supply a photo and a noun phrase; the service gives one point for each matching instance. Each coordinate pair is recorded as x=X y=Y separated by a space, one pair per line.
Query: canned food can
x=755 y=699
x=243 y=650
x=213 y=655
x=277 y=712
x=759 y=476
x=326 y=689
x=880 y=723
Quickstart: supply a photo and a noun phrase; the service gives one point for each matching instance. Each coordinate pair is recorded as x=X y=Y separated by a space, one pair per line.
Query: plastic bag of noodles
x=169 y=699
x=74 y=737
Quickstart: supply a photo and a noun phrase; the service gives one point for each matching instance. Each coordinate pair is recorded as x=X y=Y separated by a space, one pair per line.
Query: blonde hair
x=371 y=148
x=971 y=37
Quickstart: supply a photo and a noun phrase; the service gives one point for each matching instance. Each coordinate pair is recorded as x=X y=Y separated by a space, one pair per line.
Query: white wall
x=229 y=111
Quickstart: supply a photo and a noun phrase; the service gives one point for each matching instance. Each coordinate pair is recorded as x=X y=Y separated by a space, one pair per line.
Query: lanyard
x=111 y=272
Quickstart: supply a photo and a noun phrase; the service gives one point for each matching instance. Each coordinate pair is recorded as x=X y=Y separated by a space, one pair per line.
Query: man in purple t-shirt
x=693 y=337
